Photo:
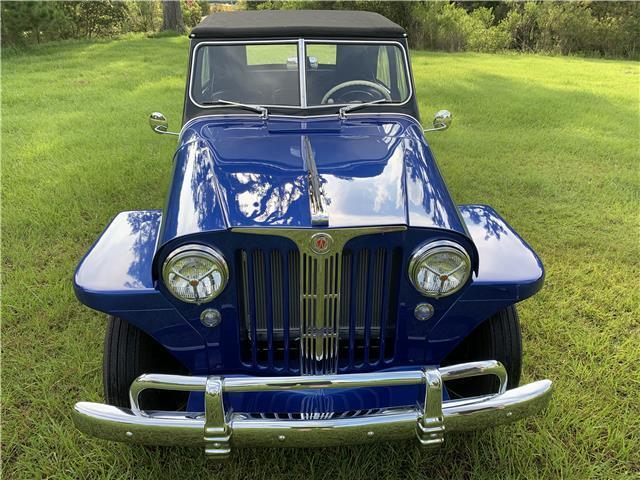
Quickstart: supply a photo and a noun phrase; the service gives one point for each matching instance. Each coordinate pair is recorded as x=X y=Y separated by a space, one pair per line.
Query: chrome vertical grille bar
x=377 y=301
x=336 y=279
x=294 y=303
x=260 y=291
x=273 y=264
x=310 y=340
x=385 y=301
x=361 y=297
x=245 y=306
x=253 y=330
x=329 y=315
x=346 y=319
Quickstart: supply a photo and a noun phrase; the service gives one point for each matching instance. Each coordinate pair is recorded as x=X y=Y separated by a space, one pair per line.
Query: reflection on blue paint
x=504 y=256
x=233 y=172
x=122 y=257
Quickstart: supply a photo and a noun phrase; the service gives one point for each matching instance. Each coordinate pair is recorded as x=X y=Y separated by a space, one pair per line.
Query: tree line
x=30 y=22
x=606 y=29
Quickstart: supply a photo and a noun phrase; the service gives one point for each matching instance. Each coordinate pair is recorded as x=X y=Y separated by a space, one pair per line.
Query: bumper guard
x=218 y=430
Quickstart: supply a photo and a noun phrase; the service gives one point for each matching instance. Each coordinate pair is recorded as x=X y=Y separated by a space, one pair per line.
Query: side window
x=382 y=73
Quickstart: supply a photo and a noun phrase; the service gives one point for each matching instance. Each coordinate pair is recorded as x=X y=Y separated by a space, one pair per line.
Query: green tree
x=25 y=21
x=96 y=18
x=191 y=12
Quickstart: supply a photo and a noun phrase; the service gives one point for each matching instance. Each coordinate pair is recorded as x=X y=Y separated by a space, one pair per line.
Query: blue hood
x=243 y=172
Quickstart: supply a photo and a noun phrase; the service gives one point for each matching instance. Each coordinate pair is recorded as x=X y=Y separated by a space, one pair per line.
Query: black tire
x=497 y=338
x=128 y=353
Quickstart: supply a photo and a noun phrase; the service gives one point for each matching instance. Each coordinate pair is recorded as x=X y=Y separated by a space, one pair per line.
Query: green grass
x=551 y=143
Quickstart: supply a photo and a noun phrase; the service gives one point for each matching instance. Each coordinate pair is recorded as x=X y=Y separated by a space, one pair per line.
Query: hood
x=372 y=170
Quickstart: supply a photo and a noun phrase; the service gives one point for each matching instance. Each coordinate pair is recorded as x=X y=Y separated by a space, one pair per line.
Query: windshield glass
x=263 y=74
x=335 y=73
x=344 y=73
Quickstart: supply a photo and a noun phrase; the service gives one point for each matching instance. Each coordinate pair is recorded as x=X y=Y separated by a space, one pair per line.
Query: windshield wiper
x=264 y=113
x=353 y=106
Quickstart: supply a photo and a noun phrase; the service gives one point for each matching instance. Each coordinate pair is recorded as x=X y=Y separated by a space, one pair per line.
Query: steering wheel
x=383 y=91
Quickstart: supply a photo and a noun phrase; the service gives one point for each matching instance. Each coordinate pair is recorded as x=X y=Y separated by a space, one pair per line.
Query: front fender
x=508 y=266
x=115 y=277
x=509 y=272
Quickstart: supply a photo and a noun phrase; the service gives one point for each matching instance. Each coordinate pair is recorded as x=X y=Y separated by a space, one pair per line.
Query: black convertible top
x=296 y=23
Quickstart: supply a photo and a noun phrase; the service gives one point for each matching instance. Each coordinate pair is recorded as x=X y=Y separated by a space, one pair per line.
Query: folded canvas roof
x=297 y=23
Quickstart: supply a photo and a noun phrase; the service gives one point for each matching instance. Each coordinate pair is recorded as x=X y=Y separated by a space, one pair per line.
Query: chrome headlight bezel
x=423 y=253
x=201 y=251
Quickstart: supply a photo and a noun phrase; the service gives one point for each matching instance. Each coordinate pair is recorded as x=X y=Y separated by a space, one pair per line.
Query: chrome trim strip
x=320 y=277
x=219 y=431
x=302 y=73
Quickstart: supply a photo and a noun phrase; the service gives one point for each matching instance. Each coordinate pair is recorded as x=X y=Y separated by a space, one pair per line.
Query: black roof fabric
x=296 y=23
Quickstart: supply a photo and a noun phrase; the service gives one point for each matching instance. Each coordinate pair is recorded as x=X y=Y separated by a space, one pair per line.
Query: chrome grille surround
x=319 y=288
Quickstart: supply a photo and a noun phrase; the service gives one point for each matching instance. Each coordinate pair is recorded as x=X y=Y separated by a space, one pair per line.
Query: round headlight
x=439 y=268
x=195 y=273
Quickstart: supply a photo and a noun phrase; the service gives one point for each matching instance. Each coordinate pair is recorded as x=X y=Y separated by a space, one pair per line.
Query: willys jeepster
x=310 y=281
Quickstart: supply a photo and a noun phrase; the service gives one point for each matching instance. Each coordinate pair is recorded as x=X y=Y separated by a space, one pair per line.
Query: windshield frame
x=302 y=84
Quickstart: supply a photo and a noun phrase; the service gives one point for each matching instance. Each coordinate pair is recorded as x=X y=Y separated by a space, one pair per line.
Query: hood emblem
x=321 y=243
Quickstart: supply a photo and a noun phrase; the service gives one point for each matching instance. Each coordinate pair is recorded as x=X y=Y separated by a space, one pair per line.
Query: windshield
x=335 y=73
x=343 y=73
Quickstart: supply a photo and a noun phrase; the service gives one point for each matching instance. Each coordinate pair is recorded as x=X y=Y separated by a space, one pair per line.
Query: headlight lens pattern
x=439 y=268
x=195 y=274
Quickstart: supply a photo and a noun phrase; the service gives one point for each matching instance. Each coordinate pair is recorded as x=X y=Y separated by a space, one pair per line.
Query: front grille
x=317 y=315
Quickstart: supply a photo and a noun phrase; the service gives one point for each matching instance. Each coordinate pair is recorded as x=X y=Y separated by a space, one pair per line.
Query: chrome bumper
x=218 y=431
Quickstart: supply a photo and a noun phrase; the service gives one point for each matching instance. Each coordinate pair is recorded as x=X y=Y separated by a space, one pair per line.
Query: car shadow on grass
x=461 y=454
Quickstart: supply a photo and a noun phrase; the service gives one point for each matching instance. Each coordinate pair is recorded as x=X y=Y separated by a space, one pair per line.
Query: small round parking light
x=423 y=311
x=211 y=317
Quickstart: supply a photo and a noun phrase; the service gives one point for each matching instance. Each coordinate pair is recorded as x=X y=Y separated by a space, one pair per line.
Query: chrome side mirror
x=441 y=121
x=159 y=124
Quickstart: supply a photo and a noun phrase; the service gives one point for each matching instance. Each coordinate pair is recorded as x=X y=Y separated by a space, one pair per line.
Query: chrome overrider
x=219 y=430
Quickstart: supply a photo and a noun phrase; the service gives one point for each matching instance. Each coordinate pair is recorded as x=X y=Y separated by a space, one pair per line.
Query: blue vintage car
x=310 y=281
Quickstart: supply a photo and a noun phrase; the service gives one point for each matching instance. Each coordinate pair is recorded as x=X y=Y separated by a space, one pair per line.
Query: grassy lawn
x=552 y=143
